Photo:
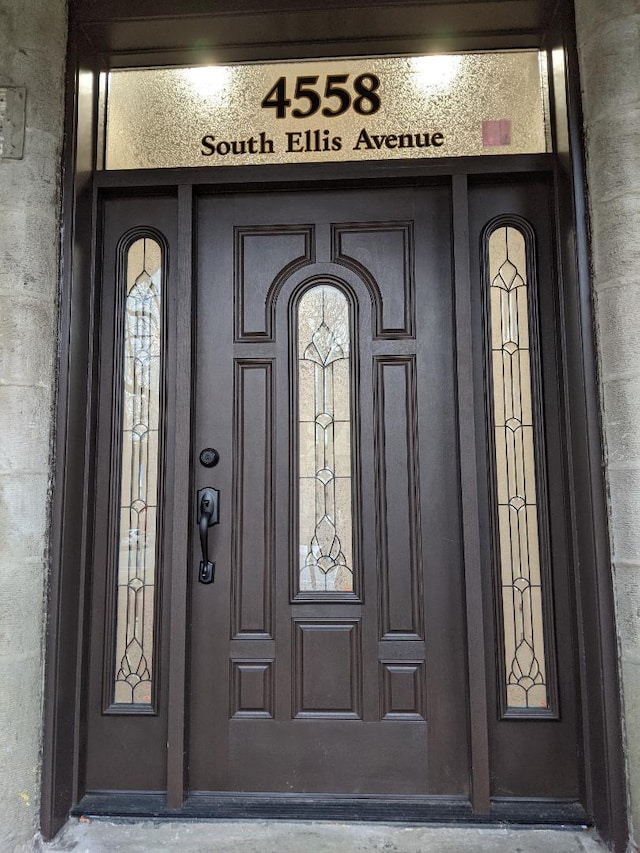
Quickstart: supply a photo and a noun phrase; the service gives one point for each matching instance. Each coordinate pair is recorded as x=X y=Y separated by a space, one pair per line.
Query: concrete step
x=107 y=836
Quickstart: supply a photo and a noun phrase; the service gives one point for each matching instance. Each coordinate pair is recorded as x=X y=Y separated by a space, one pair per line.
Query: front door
x=351 y=628
x=325 y=382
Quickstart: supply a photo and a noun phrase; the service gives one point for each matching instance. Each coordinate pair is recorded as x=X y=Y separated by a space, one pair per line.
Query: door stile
x=468 y=407
x=179 y=425
x=87 y=517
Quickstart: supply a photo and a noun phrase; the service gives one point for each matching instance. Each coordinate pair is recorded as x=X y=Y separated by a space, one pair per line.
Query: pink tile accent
x=496 y=132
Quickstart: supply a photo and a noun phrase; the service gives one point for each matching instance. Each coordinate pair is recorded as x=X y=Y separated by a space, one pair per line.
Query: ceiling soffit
x=232 y=30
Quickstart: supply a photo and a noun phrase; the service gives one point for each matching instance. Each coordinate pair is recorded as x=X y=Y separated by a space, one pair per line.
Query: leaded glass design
x=324 y=441
x=136 y=578
x=516 y=489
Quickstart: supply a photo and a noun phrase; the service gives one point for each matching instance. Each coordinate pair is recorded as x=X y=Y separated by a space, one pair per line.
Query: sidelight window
x=519 y=506
x=137 y=560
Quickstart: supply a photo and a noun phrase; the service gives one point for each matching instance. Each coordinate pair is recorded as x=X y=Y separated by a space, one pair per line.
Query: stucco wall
x=609 y=52
x=32 y=50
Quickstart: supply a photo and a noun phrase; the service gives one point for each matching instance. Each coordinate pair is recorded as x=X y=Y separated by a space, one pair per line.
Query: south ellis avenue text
x=315 y=141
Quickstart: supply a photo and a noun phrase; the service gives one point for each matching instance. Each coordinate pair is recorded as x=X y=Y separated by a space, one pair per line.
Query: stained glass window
x=137 y=569
x=517 y=507
x=324 y=441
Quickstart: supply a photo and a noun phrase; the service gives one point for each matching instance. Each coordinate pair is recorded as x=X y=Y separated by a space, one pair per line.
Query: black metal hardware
x=208 y=515
x=209 y=457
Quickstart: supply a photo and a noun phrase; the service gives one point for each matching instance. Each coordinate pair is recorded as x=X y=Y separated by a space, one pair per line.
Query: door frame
x=63 y=786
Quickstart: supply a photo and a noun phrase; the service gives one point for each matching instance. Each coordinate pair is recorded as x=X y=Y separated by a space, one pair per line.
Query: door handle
x=208 y=515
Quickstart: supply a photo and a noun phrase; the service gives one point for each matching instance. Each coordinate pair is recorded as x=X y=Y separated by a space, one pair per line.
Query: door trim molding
x=263 y=177
x=180 y=410
x=472 y=548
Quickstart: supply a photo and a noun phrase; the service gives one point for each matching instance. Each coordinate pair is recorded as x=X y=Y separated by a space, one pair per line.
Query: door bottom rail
x=390 y=809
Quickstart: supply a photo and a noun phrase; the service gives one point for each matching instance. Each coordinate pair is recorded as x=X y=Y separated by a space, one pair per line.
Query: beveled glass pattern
x=325 y=522
x=517 y=509
x=135 y=615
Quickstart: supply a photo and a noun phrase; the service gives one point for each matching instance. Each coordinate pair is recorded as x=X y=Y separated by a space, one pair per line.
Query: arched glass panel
x=325 y=524
x=516 y=490
x=137 y=569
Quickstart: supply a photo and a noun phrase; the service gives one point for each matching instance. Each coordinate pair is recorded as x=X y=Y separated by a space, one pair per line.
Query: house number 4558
x=362 y=96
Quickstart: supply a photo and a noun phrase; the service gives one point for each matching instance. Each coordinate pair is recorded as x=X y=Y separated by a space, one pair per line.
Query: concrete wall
x=32 y=54
x=609 y=51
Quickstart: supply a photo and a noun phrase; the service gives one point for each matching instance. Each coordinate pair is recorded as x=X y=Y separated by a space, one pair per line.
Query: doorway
x=333 y=653
x=87 y=747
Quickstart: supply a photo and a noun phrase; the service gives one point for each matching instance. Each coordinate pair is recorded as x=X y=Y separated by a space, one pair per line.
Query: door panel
x=301 y=689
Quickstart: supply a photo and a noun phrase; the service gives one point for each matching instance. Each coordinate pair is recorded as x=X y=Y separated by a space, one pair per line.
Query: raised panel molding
x=252 y=689
x=402 y=690
x=253 y=548
x=383 y=255
x=398 y=492
x=327 y=669
x=264 y=256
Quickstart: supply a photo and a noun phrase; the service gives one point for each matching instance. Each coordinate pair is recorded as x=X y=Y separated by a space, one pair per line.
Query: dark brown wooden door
x=351 y=680
x=379 y=372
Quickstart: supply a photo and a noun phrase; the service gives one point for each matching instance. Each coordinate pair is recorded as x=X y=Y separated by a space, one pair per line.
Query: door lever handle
x=208 y=515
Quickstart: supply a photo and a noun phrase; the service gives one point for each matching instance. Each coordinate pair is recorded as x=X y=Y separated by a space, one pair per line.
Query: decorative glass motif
x=324 y=432
x=135 y=615
x=517 y=509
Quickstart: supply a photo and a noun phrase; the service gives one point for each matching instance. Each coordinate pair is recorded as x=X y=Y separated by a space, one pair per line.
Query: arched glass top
x=325 y=521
